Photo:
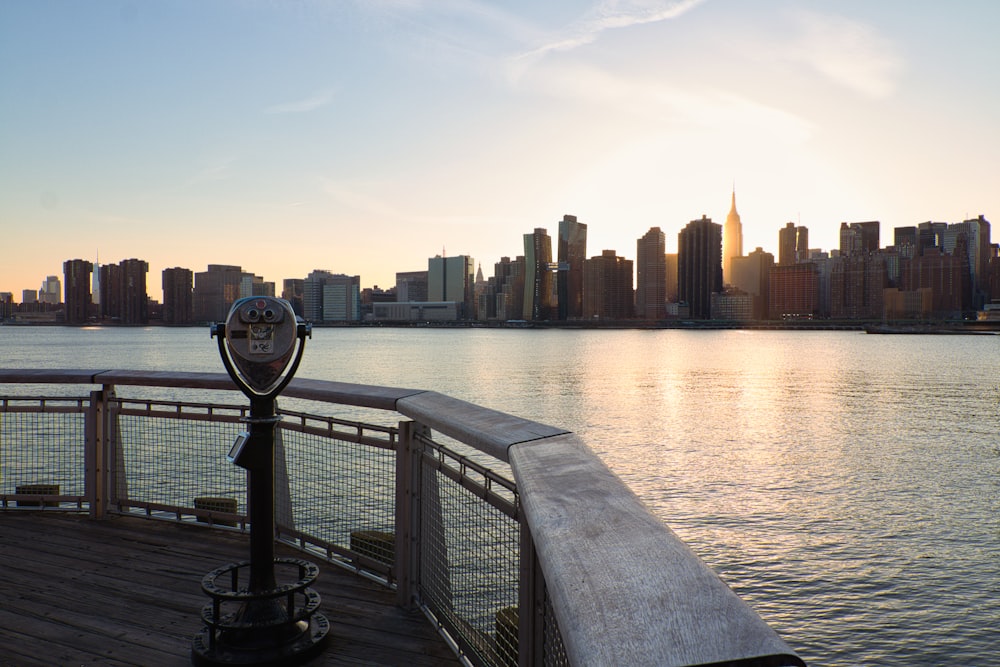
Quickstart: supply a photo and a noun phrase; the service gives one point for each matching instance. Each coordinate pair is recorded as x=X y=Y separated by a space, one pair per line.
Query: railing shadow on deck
x=512 y=536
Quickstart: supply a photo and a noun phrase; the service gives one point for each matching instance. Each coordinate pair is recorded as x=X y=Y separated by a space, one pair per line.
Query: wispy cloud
x=851 y=53
x=610 y=15
x=317 y=101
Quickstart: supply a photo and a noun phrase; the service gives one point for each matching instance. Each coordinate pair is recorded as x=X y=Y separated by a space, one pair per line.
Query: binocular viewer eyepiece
x=259 y=335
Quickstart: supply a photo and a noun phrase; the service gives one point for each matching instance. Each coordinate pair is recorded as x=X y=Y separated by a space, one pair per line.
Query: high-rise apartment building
x=215 y=290
x=178 y=293
x=76 y=275
x=732 y=241
x=111 y=291
x=453 y=279
x=572 y=253
x=651 y=275
x=857 y=284
x=945 y=275
x=699 y=265
x=538 y=275
x=607 y=291
x=793 y=291
x=134 y=298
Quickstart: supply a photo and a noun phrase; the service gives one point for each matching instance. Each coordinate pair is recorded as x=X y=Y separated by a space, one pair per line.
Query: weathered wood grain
x=610 y=564
x=127 y=591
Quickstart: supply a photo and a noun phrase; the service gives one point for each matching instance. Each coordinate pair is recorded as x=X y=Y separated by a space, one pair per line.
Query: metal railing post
x=407 y=541
x=98 y=472
x=530 y=603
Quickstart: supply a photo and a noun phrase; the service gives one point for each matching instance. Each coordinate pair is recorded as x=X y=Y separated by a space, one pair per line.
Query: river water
x=846 y=485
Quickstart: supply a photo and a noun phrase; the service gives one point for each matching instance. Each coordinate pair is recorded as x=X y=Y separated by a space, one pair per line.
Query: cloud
x=609 y=15
x=317 y=101
x=851 y=53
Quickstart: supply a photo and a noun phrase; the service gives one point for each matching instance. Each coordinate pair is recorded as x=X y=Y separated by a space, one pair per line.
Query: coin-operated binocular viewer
x=256 y=621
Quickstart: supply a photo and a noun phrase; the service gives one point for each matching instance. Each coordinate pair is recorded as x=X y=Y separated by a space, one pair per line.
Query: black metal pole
x=262 y=423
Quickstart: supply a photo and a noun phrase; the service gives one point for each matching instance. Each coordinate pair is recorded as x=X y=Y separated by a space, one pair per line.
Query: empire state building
x=732 y=241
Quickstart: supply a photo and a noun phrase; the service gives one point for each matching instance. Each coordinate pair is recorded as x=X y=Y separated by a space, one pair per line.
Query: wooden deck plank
x=126 y=591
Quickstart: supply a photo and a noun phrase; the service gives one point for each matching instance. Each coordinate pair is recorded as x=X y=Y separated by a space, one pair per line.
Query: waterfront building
x=134 y=308
x=793 y=291
x=6 y=305
x=732 y=241
x=291 y=291
x=750 y=275
x=538 y=275
x=415 y=311
x=945 y=275
x=453 y=279
x=178 y=301
x=111 y=291
x=859 y=237
x=215 y=290
x=900 y=305
x=732 y=305
x=857 y=285
x=572 y=253
x=793 y=244
x=330 y=297
x=76 y=273
x=607 y=287
x=29 y=296
x=411 y=286
x=651 y=275
x=699 y=265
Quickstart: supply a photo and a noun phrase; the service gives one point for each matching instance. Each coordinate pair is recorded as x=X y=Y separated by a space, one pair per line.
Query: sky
x=363 y=137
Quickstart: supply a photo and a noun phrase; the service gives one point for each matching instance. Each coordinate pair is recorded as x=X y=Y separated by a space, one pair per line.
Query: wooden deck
x=127 y=591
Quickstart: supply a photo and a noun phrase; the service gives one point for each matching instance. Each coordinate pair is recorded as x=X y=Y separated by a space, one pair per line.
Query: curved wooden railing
x=625 y=590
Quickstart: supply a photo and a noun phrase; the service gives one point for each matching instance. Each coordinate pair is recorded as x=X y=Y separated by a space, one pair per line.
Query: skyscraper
x=453 y=279
x=732 y=241
x=699 y=265
x=76 y=274
x=607 y=287
x=793 y=244
x=134 y=299
x=572 y=253
x=538 y=275
x=651 y=275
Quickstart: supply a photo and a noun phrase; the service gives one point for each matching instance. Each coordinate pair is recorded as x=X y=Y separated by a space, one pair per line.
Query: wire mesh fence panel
x=469 y=567
x=173 y=461
x=338 y=488
x=43 y=444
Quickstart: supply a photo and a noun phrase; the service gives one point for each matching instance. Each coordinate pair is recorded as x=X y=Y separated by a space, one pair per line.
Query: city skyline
x=364 y=138
x=154 y=288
